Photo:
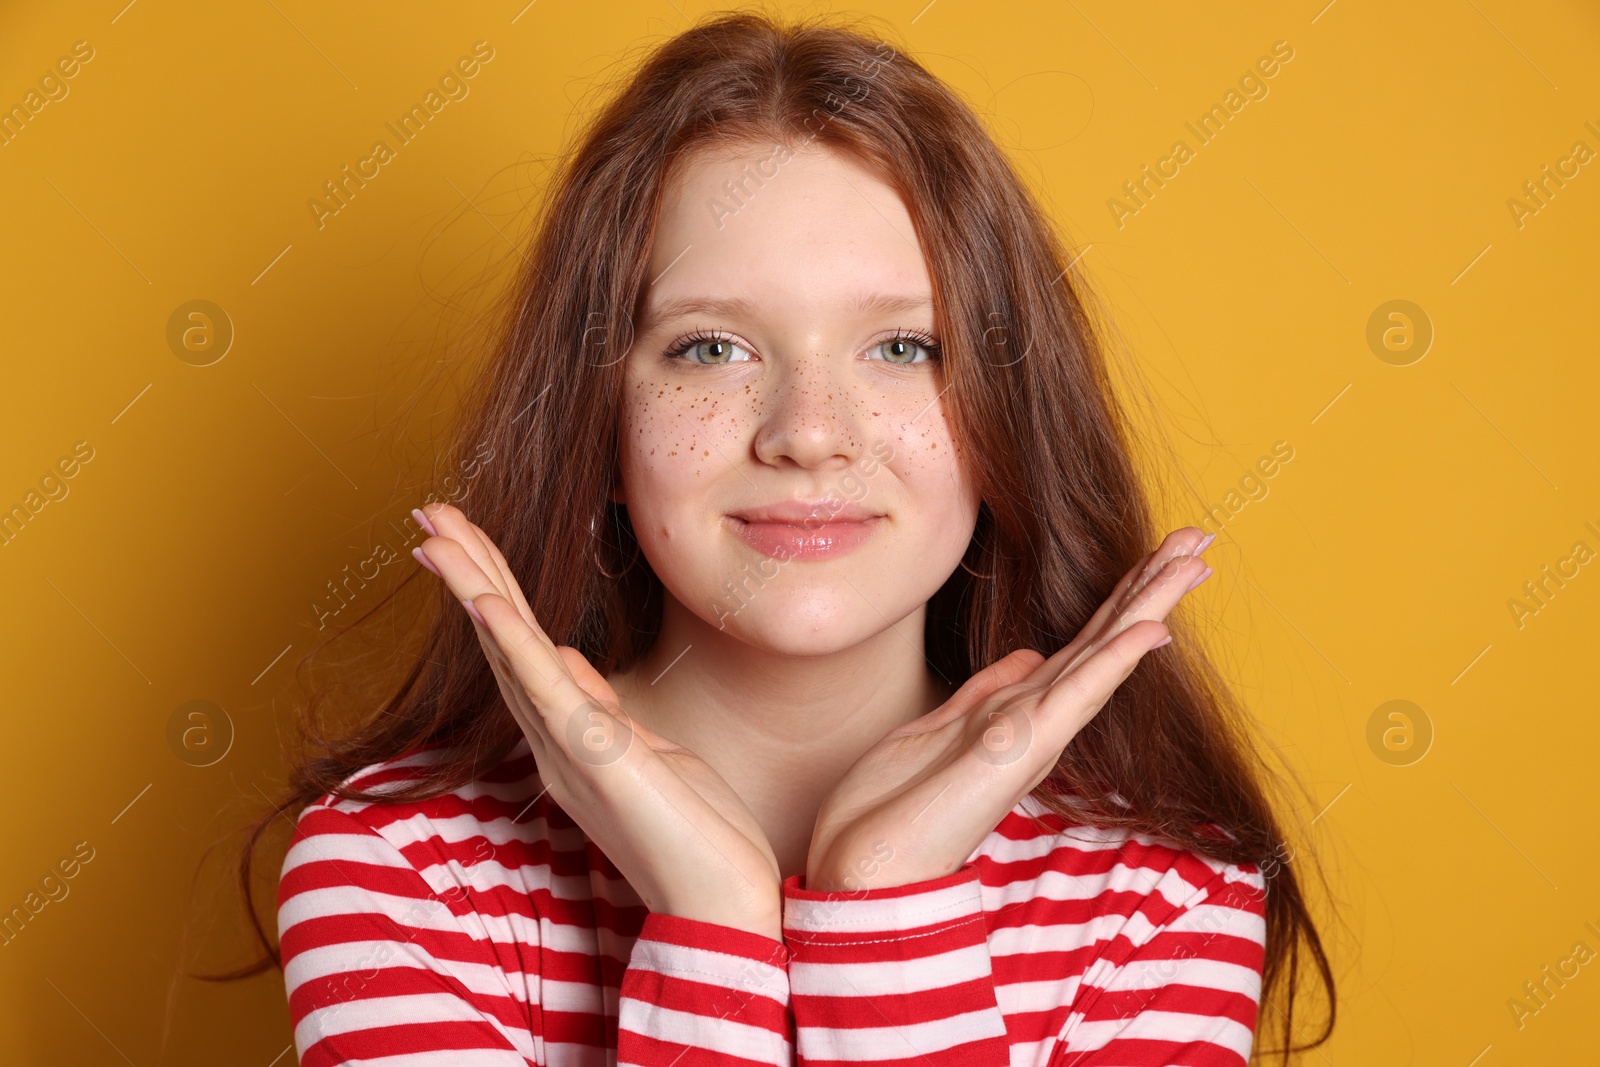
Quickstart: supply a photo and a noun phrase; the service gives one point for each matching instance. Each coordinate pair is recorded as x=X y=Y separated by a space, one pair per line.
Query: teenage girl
x=800 y=686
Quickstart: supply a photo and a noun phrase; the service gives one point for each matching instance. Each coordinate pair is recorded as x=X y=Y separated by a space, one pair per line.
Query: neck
x=781 y=728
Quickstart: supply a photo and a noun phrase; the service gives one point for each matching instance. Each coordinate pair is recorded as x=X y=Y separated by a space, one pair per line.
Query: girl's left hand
x=918 y=803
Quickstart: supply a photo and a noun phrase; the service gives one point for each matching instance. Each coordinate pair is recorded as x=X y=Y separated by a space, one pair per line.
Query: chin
x=807 y=625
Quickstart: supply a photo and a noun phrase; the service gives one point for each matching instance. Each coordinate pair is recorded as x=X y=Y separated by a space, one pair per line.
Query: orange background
x=211 y=504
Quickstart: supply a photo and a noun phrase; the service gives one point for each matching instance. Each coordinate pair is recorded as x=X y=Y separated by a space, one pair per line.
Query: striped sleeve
x=1180 y=983
x=893 y=976
x=379 y=968
x=697 y=994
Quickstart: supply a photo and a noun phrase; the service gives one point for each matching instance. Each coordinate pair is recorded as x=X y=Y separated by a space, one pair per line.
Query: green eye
x=905 y=348
x=705 y=349
x=711 y=349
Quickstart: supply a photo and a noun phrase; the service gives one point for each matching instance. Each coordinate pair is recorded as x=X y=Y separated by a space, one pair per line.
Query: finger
x=483 y=551
x=488 y=572
x=450 y=523
x=515 y=698
x=1159 y=593
x=1075 y=697
x=467 y=583
x=1169 y=563
x=488 y=556
x=1180 y=546
x=461 y=572
x=585 y=675
x=1149 y=590
x=1153 y=602
x=1100 y=622
x=595 y=683
x=508 y=579
x=1008 y=670
x=1176 y=543
x=539 y=669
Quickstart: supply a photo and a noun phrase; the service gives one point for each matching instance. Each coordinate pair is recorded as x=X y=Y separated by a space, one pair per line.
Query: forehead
x=808 y=228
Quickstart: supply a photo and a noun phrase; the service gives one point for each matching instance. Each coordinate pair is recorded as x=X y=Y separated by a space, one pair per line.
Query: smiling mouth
x=808 y=540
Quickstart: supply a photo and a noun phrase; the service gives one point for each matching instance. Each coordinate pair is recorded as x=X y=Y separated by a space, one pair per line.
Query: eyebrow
x=865 y=304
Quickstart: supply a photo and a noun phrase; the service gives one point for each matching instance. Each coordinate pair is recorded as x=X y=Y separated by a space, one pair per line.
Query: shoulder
x=502 y=792
x=393 y=913
x=438 y=839
x=1124 y=888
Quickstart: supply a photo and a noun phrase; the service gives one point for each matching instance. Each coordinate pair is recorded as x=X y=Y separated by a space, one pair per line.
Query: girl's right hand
x=670 y=823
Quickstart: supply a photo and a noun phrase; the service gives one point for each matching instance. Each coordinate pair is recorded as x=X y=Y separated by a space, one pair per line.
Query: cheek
x=946 y=500
x=927 y=460
x=672 y=444
x=926 y=448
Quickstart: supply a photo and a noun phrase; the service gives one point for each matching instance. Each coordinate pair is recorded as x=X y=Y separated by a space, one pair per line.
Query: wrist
x=876 y=868
x=858 y=883
x=768 y=924
x=769 y=927
x=830 y=881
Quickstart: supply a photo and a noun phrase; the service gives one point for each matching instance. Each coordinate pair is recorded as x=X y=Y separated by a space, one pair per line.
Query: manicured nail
x=1203 y=545
x=474 y=612
x=1208 y=572
x=1167 y=640
x=422 y=521
x=424 y=560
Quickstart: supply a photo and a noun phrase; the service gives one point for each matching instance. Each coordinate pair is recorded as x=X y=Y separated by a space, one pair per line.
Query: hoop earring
x=972 y=572
x=601 y=567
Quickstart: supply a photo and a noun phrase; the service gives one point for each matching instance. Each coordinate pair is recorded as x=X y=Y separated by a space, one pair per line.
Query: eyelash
x=682 y=345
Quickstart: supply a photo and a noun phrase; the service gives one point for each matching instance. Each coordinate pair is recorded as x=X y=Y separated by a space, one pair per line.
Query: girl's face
x=786 y=359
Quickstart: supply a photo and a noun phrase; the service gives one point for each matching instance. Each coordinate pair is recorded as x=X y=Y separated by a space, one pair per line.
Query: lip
x=808 y=513
x=800 y=540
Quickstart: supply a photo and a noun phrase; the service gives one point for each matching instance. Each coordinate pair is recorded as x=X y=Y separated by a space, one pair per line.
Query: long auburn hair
x=1063 y=513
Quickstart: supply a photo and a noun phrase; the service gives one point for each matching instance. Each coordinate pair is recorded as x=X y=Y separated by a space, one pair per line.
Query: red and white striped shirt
x=482 y=928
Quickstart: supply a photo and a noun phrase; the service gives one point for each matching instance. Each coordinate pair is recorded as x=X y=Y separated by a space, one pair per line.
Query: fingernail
x=1200 y=579
x=1167 y=640
x=1203 y=545
x=422 y=521
x=424 y=560
x=474 y=612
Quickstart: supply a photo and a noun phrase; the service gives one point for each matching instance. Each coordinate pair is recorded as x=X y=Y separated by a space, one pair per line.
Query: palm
x=670 y=823
x=669 y=767
x=943 y=768
x=919 y=803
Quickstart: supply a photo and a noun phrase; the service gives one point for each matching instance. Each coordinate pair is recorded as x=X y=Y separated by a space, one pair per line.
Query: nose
x=811 y=416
